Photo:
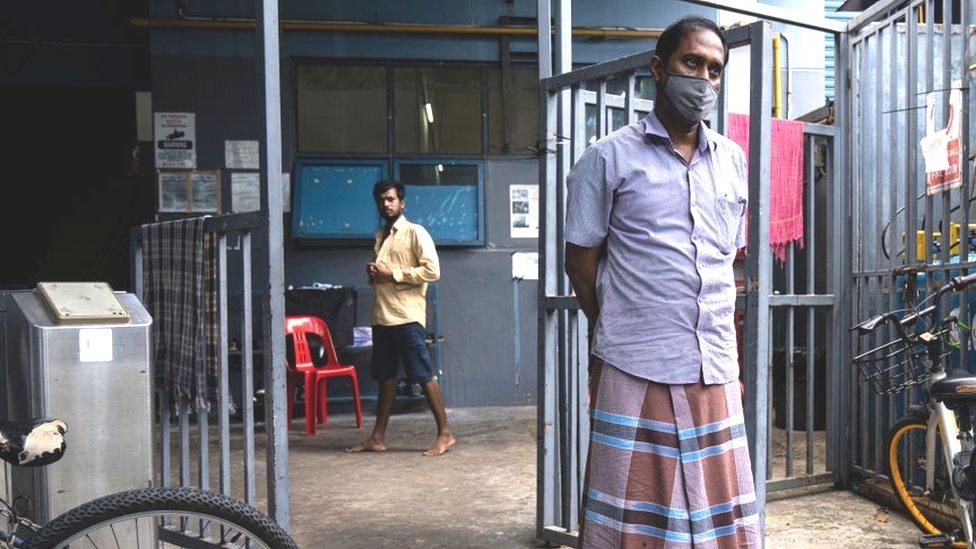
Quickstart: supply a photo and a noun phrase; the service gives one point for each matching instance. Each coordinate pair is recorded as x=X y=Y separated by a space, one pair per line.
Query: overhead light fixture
x=440 y=167
x=430 y=112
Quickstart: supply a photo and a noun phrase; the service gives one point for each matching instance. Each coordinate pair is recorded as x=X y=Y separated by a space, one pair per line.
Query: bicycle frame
x=942 y=420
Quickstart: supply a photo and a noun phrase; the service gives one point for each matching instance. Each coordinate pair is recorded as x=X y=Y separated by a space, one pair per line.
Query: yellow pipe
x=777 y=79
x=404 y=28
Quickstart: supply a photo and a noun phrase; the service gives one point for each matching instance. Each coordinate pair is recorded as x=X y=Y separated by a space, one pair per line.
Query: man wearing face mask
x=655 y=213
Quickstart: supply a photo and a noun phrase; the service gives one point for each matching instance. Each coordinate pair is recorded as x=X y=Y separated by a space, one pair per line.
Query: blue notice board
x=334 y=200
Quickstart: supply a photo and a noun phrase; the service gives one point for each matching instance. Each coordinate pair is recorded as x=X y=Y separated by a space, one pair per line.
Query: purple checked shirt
x=671 y=229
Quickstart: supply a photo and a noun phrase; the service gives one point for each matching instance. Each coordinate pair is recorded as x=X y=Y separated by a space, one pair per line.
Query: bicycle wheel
x=934 y=510
x=163 y=517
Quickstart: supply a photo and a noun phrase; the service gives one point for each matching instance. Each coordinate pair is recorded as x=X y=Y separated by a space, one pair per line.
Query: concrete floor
x=482 y=493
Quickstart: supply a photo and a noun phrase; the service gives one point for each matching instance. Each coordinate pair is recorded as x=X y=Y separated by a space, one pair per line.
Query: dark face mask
x=693 y=97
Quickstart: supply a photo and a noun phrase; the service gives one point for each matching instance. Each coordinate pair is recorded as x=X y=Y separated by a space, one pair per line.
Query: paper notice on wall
x=941 y=149
x=241 y=155
x=173 y=192
x=245 y=190
x=175 y=139
x=286 y=192
x=524 y=210
x=525 y=265
x=205 y=191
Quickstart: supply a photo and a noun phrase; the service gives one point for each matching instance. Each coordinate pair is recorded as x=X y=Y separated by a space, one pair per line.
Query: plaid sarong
x=179 y=288
x=668 y=466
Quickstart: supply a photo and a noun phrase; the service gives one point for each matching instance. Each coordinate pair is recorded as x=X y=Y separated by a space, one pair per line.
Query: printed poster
x=245 y=189
x=941 y=150
x=241 y=155
x=175 y=139
x=189 y=191
x=524 y=211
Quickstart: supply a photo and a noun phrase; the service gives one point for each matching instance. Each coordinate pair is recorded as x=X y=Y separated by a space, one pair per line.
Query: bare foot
x=370 y=445
x=441 y=445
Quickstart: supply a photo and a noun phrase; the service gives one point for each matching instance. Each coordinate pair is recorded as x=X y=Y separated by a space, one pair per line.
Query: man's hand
x=379 y=272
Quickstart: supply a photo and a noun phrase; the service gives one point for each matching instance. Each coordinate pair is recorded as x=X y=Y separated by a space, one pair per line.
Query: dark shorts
x=406 y=343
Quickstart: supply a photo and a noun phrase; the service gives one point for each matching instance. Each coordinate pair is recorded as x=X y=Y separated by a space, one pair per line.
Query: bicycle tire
x=920 y=514
x=185 y=501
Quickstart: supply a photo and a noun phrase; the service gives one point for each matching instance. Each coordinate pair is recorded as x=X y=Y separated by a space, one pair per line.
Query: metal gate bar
x=239 y=226
x=563 y=355
x=888 y=95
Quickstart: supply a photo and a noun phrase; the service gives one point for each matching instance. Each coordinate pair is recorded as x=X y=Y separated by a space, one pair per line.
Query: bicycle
x=930 y=450
x=150 y=517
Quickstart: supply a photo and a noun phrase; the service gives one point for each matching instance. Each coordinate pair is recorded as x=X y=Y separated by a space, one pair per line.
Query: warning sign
x=946 y=157
x=175 y=136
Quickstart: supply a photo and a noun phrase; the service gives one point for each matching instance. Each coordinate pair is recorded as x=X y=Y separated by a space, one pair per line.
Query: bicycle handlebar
x=955 y=284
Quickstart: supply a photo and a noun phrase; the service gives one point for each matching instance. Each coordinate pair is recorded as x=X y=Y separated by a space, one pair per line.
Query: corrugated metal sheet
x=830 y=12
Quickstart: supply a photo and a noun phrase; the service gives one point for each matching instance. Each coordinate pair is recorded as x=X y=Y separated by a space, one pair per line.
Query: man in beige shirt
x=406 y=261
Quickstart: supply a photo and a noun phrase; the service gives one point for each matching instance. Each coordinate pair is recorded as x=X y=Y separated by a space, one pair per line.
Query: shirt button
x=701 y=300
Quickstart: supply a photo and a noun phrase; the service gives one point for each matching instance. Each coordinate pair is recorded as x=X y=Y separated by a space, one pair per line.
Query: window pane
x=438 y=174
x=618 y=118
x=514 y=123
x=438 y=110
x=342 y=109
x=645 y=87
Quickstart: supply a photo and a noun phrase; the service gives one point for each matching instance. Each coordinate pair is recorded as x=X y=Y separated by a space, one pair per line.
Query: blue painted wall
x=212 y=73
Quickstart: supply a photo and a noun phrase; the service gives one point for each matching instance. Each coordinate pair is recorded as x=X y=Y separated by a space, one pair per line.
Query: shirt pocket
x=727 y=215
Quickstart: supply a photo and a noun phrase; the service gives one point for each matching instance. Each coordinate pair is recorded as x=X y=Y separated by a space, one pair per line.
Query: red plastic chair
x=314 y=377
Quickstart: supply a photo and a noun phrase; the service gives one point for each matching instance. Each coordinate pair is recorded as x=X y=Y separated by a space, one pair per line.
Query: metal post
x=269 y=115
x=546 y=497
x=839 y=377
x=759 y=259
x=223 y=402
x=247 y=368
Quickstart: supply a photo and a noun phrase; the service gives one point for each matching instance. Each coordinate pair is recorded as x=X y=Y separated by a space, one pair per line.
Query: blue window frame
x=446 y=197
x=334 y=198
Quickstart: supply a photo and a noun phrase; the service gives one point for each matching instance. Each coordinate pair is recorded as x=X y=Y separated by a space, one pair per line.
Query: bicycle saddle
x=958 y=386
x=32 y=443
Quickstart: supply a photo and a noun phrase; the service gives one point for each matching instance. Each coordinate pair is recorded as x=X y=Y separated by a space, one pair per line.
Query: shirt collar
x=400 y=223
x=653 y=126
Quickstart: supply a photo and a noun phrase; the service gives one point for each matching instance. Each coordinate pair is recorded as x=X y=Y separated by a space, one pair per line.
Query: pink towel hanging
x=786 y=181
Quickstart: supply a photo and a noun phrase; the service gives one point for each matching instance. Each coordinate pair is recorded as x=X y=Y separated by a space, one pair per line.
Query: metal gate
x=563 y=428
x=905 y=241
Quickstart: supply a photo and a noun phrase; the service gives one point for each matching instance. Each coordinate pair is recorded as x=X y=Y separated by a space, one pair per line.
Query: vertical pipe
x=911 y=182
x=929 y=199
x=879 y=207
x=839 y=376
x=164 y=435
x=223 y=412
x=790 y=381
x=269 y=99
x=893 y=232
x=811 y=244
x=563 y=64
x=184 y=412
x=517 y=329
x=758 y=263
x=964 y=194
x=945 y=79
x=247 y=367
x=546 y=417
x=911 y=217
x=203 y=426
x=777 y=79
x=861 y=194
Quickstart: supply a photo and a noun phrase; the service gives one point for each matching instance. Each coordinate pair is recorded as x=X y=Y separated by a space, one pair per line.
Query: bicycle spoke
x=116 y=536
x=91 y=541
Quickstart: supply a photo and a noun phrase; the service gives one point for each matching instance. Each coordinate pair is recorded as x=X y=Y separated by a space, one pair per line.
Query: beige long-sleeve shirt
x=410 y=254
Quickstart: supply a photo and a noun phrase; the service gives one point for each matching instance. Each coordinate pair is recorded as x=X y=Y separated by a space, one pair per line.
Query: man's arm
x=428 y=267
x=581 y=267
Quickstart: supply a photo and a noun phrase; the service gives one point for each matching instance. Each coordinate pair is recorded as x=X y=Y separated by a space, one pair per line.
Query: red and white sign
x=941 y=149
